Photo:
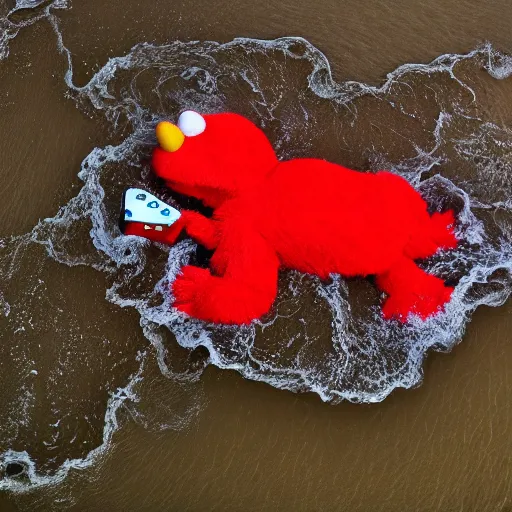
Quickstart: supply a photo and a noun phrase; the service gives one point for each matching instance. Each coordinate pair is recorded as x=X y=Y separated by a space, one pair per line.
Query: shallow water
x=111 y=382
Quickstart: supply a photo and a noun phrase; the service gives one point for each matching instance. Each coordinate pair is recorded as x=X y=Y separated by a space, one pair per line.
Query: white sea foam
x=33 y=479
x=9 y=29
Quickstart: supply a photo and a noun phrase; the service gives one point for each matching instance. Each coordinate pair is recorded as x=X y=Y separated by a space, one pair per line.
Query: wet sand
x=444 y=446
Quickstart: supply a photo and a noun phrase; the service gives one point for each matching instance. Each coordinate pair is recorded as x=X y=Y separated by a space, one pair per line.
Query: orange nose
x=169 y=136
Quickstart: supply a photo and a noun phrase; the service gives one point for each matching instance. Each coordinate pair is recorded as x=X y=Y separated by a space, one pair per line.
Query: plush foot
x=425 y=303
x=412 y=291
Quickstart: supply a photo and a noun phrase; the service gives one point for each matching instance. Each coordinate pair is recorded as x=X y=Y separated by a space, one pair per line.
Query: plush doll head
x=212 y=157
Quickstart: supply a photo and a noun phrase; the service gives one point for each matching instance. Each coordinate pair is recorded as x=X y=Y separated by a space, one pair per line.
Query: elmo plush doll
x=303 y=214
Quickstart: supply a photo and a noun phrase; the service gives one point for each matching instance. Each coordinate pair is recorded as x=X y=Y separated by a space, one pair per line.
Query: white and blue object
x=141 y=206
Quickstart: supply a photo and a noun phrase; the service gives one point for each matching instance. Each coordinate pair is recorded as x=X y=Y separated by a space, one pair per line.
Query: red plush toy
x=303 y=214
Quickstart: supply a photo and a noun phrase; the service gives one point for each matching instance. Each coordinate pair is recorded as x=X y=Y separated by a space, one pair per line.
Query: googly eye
x=191 y=123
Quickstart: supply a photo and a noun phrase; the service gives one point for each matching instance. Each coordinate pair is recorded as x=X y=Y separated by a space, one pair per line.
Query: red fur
x=304 y=214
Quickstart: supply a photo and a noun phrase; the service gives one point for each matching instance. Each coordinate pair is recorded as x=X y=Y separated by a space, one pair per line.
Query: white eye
x=191 y=123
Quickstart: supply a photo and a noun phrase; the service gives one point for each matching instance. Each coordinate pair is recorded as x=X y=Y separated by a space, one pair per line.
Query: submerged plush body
x=303 y=214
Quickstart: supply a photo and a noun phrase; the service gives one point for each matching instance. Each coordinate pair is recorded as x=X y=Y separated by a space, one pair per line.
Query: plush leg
x=243 y=290
x=412 y=291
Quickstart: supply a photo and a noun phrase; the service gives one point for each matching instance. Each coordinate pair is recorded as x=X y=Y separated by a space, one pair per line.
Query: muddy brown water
x=222 y=442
